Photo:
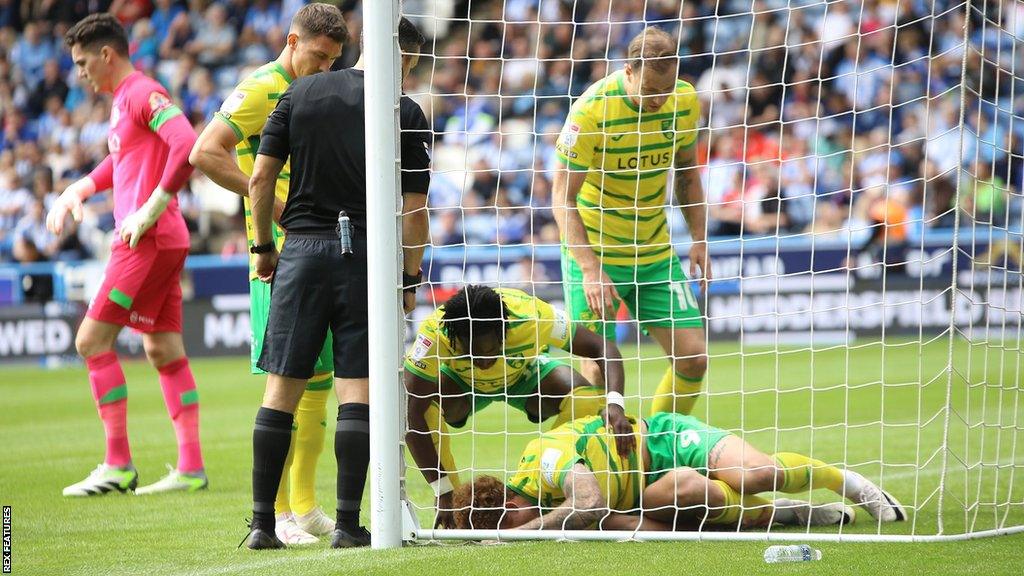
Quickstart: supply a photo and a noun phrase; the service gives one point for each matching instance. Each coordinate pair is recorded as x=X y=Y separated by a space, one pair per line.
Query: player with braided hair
x=488 y=344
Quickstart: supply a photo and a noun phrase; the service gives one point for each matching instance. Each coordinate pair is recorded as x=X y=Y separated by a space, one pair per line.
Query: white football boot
x=105 y=479
x=879 y=503
x=800 y=513
x=289 y=532
x=316 y=522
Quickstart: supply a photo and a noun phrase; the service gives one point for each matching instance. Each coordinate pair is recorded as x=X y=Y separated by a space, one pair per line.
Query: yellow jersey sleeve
x=542 y=470
x=423 y=358
x=579 y=140
x=554 y=326
x=247 y=108
x=686 y=125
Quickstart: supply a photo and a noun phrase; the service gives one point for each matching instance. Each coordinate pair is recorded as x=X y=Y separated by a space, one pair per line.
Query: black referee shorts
x=316 y=288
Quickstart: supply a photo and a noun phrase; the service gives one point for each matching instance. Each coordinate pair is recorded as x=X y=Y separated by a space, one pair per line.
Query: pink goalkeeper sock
x=111 y=394
x=182 y=400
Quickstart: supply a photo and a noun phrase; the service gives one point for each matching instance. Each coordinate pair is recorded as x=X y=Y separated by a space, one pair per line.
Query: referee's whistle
x=345 y=233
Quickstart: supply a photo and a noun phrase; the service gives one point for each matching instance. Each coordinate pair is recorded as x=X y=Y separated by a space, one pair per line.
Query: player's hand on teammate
x=66 y=203
x=445 y=514
x=266 y=264
x=700 y=265
x=621 y=428
x=602 y=298
x=136 y=224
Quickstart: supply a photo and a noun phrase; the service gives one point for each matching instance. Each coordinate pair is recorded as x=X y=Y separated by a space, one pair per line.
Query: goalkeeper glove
x=70 y=201
x=137 y=223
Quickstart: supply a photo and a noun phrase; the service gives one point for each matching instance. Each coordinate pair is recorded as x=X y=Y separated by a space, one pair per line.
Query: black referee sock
x=352 y=450
x=270 y=440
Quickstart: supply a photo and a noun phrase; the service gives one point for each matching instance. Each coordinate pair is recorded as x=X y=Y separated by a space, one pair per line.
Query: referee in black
x=319 y=280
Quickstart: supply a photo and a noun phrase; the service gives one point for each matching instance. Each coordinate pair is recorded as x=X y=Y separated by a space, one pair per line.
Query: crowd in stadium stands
x=834 y=122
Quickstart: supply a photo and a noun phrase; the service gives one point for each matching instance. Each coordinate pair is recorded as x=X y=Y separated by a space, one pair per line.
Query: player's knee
x=161 y=354
x=693 y=365
x=88 y=345
x=691 y=488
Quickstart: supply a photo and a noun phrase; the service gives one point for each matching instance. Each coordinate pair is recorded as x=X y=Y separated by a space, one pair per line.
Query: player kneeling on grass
x=569 y=479
x=488 y=344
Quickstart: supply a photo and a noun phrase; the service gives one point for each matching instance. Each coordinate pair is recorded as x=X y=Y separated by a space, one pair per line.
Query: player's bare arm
x=261 y=193
x=601 y=294
x=689 y=193
x=214 y=154
x=415 y=237
x=421 y=393
x=608 y=358
x=633 y=522
x=583 y=506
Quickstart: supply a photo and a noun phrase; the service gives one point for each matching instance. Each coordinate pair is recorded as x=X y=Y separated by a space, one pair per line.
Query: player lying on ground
x=569 y=479
x=149 y=142
x=314 y=42
x=488 y=344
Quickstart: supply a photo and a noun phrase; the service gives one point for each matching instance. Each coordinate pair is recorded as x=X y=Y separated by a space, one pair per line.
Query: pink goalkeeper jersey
x=149 y=143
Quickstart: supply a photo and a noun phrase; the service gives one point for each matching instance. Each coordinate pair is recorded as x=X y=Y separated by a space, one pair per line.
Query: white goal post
x=868 y=295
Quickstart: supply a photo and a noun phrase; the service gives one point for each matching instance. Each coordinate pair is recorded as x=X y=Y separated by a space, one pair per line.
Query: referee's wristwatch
x=411 y=281
x=261 y=248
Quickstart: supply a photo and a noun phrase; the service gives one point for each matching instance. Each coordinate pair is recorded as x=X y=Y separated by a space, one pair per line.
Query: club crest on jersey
x=158 y=102
x=666 y=129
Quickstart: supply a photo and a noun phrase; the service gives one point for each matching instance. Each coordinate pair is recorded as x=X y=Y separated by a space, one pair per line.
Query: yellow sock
x=736 y=506
x=442 y=442
x=676 y=393
x=802 y=472
x=282 y=503
x=582 y=401
x=309 y=442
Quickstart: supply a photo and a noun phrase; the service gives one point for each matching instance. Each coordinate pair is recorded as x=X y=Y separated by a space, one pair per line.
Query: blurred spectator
x=31 y=53
x=807 y=110
x=263 y=17
x=52 y=85
x=214 y=39
x=200 y=102
x=984 y=195
x=145 y=45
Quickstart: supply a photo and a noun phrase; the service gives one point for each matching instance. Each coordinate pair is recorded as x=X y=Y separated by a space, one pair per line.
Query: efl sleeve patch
x=421 y=348
x=549 y=464
x=560 y=328
x=232 y=103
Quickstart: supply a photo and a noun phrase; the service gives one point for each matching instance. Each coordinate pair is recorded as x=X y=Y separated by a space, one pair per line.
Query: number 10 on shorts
x=684 y=296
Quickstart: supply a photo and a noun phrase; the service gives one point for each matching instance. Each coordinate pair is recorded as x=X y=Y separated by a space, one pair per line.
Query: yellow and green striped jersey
x=533 y=326
x=246 y=111
x=627 y=156
x=547 y=460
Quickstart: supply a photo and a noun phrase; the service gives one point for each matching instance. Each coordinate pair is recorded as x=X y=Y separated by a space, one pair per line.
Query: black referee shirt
x=319 y=123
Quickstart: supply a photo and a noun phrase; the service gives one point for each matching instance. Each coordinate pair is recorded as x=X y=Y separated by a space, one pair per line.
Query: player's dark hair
x=96 y=31
x=319 y=19
x=410 y=39
x=655 y=48
x=474 y=312
x=479 y=505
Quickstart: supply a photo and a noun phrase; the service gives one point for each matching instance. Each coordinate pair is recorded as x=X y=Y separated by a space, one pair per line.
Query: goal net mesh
x=862 y=168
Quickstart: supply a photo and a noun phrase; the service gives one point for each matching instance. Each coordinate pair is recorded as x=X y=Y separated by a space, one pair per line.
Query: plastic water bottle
x=794 y=553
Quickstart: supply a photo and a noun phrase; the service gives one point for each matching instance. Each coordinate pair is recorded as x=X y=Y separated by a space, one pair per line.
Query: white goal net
x=861 y=165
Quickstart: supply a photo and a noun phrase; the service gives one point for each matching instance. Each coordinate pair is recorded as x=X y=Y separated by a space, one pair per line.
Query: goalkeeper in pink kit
x=149 y=143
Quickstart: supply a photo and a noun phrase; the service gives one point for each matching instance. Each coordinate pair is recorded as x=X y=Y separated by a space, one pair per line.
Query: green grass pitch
x=864 y=405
